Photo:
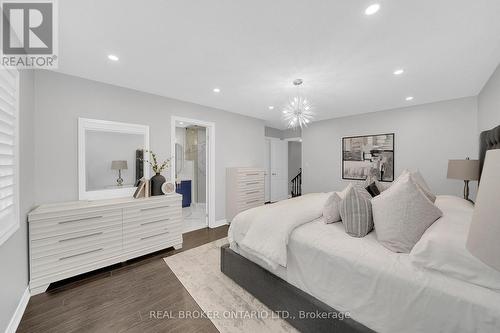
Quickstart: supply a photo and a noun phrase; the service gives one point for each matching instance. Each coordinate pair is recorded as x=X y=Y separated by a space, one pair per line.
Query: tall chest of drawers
x=244 y=190
x=72 y=238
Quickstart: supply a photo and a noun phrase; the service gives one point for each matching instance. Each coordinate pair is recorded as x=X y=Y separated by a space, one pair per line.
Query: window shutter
x=9 y=92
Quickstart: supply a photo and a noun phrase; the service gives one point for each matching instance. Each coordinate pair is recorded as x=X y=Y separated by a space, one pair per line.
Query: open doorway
x=294 y=167
x=192 y=171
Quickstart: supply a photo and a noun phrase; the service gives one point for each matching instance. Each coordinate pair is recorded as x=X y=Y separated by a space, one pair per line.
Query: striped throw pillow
x=356 y=212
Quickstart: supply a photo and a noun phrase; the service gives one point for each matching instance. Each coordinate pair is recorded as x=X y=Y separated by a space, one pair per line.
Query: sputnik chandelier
x=298 y=112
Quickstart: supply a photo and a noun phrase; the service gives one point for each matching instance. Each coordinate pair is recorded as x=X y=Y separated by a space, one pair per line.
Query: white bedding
x=379 y=288
x=265 y=230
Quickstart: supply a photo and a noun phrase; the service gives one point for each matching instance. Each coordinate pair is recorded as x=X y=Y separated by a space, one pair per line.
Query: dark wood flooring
x=119 y=298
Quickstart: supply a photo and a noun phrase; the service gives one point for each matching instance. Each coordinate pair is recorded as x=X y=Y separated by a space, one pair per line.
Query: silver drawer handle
x=81 y=254
x=147 y=237
x=151 y=208
x=157 y=221
x=252 y=174
x=252 y=192
x=249 y=202
x=78 y=237
x=253 y=183
x=82 y=219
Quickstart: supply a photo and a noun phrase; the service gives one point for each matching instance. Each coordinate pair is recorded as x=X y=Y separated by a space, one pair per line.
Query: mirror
x=110 y=158
x=179 y=158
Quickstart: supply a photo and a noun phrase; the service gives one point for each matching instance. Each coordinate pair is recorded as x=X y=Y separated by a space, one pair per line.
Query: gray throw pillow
x=402 y=214
x=356 y=212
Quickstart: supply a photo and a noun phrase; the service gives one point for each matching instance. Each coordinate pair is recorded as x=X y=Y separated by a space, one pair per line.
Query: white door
x=279 y=170
x=267 y=177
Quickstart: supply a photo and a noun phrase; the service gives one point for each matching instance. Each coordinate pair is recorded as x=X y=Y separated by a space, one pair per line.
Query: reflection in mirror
x=179 y=158
x=111 y=159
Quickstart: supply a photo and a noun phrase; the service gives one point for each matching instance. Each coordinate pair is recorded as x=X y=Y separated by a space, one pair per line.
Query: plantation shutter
x=9 y=83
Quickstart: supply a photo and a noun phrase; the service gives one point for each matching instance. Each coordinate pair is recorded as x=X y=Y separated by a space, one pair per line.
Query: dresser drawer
x=74 y=222
x=249 y=194
x=251 y=203
x=135 y=216
x=249 y=185
x=250 y=175
x=75 y=257
x=139 y=238
x=164 y=204
x=60 y=245
x=152 y=224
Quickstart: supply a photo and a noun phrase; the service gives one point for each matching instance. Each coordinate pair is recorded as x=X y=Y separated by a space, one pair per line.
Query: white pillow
x=417 y=177
x=402 y=214
x=331 y=208
x=442 y=247
x=343 y=193
x=382 y=186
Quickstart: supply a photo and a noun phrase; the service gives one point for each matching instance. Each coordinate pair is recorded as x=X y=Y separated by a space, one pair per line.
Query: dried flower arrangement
x=153 y=161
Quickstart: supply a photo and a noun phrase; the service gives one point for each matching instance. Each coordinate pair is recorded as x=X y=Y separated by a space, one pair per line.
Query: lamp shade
x=119 y=165
x=483 y=239
x=463 y=169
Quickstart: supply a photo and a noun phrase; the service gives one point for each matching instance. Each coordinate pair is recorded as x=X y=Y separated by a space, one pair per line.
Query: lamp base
x=466 y=191
x=119 y=181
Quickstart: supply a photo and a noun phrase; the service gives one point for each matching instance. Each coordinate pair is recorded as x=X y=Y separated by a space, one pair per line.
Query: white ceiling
x=252 y=50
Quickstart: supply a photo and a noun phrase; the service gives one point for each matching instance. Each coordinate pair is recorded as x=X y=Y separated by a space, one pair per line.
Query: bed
x=332 y=274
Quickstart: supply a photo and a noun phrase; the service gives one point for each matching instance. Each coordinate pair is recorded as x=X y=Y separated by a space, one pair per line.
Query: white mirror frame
x=85 y=124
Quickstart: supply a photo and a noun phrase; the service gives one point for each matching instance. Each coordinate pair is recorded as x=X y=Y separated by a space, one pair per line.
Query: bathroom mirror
x=110 y=158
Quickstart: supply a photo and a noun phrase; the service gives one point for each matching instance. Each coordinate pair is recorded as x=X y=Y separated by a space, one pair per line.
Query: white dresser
x=71 y=238
x=244 y=190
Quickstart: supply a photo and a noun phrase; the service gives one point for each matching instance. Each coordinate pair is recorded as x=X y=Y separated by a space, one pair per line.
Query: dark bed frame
x=287 y=300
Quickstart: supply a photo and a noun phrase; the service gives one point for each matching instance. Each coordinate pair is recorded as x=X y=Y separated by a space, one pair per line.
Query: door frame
x=271 y=139
x=210 y=188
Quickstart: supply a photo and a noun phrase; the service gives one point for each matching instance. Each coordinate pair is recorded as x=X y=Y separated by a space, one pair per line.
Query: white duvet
x=266 y=230
x=381 y=289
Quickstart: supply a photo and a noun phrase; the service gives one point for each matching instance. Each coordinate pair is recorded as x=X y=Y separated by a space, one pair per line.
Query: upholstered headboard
x=488 y=140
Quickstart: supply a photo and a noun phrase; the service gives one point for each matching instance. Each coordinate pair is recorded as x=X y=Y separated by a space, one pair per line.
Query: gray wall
x=102 y=148
x=489 y=103
x=14 y=252
x=61 y=99
x=294 y=159
x=426 y=137
x=282 y=134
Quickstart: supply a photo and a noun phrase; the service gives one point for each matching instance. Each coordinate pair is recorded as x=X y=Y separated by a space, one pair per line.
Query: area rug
x=225 y=303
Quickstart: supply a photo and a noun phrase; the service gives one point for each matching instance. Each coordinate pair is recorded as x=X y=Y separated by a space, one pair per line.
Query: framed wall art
x=368 y=157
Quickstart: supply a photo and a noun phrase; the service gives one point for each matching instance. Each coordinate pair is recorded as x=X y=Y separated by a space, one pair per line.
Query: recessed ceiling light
x=399 y=71
x=112 y=57
x=372 y=9
x=270 y=107
x=181 y=123
x=409 y=98
x=216 y=90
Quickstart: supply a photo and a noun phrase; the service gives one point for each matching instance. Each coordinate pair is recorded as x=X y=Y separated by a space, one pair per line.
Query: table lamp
x=482 y=241
x=119 y=165
x=465 y=170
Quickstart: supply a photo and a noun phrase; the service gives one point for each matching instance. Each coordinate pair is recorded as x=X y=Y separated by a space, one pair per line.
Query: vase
x=156 y=183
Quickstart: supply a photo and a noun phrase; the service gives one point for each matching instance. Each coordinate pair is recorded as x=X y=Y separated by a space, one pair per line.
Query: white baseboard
x=18 y=314
x=219 y=223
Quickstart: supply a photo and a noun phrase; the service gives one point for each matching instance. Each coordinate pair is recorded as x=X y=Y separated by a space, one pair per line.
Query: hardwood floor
x=120 y=298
